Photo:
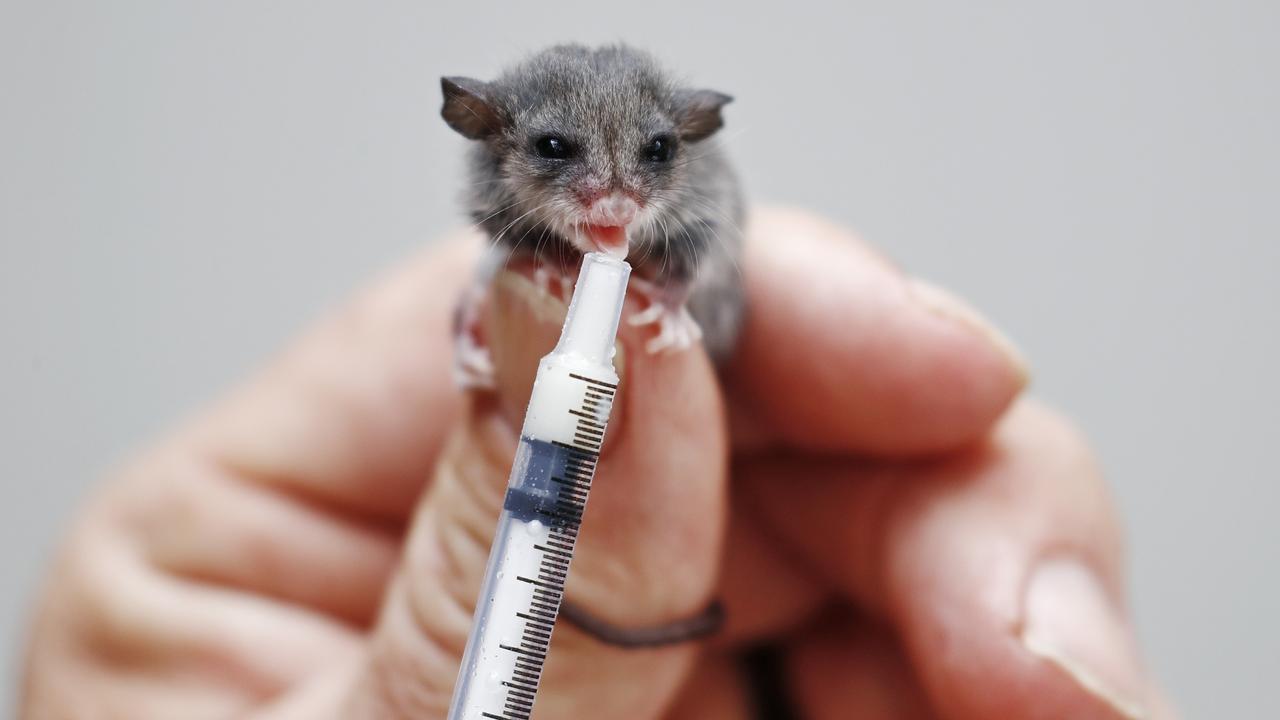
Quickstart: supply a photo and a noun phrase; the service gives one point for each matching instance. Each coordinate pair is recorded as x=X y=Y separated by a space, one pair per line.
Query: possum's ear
x=698 y=112
x=469 y=107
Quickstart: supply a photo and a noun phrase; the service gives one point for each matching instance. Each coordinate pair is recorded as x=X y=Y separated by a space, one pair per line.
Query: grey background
x=182 y=185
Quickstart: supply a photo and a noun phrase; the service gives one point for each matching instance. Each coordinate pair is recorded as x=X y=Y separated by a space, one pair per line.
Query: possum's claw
x=677 y=330
x=648 y=316
x=542 y=279
x=472 y=363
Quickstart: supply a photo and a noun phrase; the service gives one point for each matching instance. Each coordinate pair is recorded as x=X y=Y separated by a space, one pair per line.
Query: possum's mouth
x=611 y=239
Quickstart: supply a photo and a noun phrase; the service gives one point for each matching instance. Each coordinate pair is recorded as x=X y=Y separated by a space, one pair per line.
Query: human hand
x=863 y=490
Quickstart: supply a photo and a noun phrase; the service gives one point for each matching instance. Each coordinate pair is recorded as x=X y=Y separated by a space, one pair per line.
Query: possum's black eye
x=660 y=149
x=553 y=148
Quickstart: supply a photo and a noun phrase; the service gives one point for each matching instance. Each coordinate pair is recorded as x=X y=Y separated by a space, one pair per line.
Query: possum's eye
x=553 y=148
x=660 y=149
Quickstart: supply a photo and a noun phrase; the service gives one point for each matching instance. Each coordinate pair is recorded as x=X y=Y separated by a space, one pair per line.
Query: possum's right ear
x=698 y=114
x=469 y=107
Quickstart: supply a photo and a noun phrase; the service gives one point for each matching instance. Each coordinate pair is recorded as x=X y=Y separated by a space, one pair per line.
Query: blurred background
x=184 y=185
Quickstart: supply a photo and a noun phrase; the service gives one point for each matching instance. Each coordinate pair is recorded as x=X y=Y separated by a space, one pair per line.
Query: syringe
x=528 y=565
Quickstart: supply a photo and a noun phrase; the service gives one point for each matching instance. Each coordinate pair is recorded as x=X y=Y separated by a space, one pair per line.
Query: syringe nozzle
x=592 y=322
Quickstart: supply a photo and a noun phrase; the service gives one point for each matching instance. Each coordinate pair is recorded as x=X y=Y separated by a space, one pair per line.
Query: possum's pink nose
x=606 y=223
x=614 y=209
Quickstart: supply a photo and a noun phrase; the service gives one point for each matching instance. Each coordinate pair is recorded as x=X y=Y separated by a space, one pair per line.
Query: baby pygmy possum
x=580 y=150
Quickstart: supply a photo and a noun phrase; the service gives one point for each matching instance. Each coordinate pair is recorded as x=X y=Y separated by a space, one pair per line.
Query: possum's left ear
x=469 y=107
x=698 y=113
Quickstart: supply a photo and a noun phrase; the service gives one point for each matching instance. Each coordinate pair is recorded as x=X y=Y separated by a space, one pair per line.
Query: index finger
x=841 y=351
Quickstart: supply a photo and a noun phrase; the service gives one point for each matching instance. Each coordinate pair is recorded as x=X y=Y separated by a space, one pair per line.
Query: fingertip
x=1072 y=622
x=953 y=309
x=841 y=351
x=991 y=638
x=999 y=567
x=1013 y=563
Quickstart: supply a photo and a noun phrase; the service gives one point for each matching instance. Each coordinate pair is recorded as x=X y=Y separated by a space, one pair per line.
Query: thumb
x=648 y=547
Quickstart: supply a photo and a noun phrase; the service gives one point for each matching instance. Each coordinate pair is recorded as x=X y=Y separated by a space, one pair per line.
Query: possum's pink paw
x=677 y=330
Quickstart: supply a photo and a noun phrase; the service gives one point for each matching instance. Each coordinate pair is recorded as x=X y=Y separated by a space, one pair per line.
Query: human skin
x=863 y=486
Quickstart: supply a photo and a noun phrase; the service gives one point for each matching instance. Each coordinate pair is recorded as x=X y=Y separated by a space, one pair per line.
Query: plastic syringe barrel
x=555 y=463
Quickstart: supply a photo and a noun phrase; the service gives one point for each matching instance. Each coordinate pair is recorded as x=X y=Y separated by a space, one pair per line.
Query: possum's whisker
x=698 y=258
x=666 y=257
x=732 y=253
x=537 y=247
x=487 y=181
x=646 y=233
x=495 y=213
x=514 y=246
x=520 y=239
